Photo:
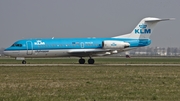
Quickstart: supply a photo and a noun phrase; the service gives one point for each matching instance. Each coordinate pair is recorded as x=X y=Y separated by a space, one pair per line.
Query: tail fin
x=144 y=29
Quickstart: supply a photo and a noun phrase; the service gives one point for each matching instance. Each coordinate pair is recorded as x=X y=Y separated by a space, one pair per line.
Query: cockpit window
x=17 y=45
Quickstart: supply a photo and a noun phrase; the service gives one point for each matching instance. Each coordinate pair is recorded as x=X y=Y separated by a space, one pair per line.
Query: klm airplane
x=84 y=47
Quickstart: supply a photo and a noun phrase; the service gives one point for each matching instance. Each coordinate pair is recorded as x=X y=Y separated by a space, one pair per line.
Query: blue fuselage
x=32 y=47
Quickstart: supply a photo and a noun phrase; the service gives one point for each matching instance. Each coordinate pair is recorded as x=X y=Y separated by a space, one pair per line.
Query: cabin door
x=29 y=48
x=82 y=44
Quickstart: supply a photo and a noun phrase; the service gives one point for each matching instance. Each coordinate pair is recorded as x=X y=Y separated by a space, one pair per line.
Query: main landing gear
x=81 y=61
x=90 y=61
x=23 y=61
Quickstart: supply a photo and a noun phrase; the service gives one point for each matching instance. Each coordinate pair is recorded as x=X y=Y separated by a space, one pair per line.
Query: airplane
x=84 y=47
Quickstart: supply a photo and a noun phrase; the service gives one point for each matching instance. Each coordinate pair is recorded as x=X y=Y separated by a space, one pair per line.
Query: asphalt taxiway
x=89 y=65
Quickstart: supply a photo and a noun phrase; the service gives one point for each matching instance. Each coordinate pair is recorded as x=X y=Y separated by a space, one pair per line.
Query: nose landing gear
x=23 y=61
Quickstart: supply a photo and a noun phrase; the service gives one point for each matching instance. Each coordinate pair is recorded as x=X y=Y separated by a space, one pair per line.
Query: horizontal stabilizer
x=158 y=19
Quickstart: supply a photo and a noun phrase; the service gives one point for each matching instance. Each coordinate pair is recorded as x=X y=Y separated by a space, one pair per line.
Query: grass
x=95 y=83
x=106 y=60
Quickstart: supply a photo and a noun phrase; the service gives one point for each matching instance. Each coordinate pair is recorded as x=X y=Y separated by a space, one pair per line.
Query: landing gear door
x=29 y=48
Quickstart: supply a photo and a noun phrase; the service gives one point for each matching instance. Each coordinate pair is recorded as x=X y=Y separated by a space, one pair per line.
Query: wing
x=87 y=52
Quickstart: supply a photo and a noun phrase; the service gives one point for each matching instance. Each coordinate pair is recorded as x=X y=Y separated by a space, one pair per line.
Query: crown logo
x=142 y=26
x=113 y=44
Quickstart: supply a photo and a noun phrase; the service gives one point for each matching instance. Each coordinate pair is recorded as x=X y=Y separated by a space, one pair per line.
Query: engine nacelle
x=110 y=44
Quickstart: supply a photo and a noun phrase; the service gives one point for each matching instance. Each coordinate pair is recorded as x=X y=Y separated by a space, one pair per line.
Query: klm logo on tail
x=142 y=30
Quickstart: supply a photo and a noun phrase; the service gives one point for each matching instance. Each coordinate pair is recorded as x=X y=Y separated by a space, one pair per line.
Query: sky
x=22 y=19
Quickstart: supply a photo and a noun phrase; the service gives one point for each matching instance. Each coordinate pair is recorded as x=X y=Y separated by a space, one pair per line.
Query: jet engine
x=111 y=44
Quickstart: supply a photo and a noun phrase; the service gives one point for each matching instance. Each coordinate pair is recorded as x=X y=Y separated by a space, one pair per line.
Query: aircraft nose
x=5 y=52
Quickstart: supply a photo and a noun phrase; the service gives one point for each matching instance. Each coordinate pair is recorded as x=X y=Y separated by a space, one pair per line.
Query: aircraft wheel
x=91 y=61
x=81 y=61
x=24 y=62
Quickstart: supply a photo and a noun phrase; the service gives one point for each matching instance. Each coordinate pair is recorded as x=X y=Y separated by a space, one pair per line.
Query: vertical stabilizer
x=144 y=29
